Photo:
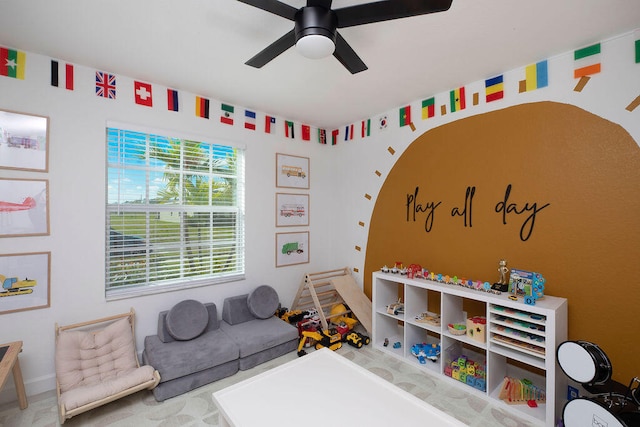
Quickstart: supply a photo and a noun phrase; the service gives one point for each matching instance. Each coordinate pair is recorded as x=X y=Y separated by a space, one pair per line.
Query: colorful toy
x=356 y=339
x=397 y=344
x=426 y=351
x=340 y=314
x=523 y=391
x=476 y=328
x=395 y=308
x=330 y=338
x=428 y=317
x=467 y=371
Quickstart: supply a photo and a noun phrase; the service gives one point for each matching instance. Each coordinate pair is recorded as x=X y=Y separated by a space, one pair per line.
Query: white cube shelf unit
x=519 y=340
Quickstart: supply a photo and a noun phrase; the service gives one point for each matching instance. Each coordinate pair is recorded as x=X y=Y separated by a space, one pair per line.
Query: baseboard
x=32 y=387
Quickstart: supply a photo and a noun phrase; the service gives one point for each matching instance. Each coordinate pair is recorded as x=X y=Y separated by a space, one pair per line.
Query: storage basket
x=457 y=328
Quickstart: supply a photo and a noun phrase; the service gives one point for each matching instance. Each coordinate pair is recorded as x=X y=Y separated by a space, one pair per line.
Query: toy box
x=476 y=327
x=465 y=366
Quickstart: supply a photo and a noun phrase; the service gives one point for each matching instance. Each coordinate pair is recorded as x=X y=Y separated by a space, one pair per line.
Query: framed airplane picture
x=24 y=206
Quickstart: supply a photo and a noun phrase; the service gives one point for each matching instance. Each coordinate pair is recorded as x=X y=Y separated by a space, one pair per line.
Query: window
x=175 y=212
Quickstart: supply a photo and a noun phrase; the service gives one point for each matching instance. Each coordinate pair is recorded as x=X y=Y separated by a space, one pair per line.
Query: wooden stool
x=9 y=362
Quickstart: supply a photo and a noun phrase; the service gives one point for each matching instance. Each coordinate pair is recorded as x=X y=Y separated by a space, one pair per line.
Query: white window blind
x=175 y=212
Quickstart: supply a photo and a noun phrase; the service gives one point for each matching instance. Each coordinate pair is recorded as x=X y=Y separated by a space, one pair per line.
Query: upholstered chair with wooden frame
x=97 y=363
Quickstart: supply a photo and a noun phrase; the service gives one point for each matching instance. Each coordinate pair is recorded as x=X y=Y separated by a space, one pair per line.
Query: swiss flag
x=142 y=93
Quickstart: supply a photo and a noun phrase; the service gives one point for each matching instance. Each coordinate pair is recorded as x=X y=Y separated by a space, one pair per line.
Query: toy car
x=356 y=339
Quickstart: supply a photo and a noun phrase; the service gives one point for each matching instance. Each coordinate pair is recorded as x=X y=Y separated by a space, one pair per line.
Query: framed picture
x=292 y=171
x=292 y=209
x=292 y=248
x=24 y=141
x=26 y=281
x=24 y=207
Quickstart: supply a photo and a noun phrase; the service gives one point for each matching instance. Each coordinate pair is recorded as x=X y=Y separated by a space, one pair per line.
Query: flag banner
x=405 y=116
x=12 y=63
x=334 y=136
x=202 y=107
x=366 y=128
x=270 y=124
x=536 y=76
x=172 y=100
x=587 y=61
x=288 y=129
x=227 y=114
x=142 y=93
x=322 y=136
x=105 y=85
x=458 y=99
x=61 y=73
x=494 y=88
x=249 y=120
x=638 y=51
x=428 y=108
x=383 y=121
x=348 y=132
x=306 y=132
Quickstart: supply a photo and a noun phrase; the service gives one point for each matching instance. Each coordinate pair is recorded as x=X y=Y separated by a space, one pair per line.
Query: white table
x=321 y=389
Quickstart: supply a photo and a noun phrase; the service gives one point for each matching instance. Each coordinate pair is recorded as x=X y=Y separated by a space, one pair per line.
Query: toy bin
x=465 y=365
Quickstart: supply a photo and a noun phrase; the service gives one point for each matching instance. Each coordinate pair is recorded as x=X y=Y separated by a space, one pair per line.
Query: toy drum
x=582 y=412
x=584 y=362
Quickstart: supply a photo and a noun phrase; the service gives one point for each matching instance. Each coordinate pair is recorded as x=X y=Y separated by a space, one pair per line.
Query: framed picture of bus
x=292 y=248
x=292 y=171
x=292 y=209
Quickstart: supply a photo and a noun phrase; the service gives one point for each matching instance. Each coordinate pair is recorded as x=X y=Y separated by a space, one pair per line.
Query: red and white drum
x=583 y=412
x=584 y=362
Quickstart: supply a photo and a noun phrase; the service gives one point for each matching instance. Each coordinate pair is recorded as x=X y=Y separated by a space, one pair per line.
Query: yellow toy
x=330 y=338
x=338 y=315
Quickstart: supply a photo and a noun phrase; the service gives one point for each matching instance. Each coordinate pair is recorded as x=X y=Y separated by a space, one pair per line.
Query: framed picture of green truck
x=292 y=248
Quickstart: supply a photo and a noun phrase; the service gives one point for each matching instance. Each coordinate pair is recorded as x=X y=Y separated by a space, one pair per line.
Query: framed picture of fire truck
x=26 y=281
x=292 y=171
x=24 y=141
x=292 y=210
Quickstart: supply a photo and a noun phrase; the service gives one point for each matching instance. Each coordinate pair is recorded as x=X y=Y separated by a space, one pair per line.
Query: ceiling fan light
x=315 y=46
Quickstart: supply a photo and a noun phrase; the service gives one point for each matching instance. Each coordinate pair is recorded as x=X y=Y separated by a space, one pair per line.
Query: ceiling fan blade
x=273 y=50
x=274 y=6
x=347 y=56
x=387 y=10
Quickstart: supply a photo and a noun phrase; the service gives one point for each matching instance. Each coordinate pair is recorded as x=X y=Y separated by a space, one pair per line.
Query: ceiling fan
x=315 y=32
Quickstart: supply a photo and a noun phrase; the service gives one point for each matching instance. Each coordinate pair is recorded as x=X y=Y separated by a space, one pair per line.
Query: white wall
x=340 y=177
x=77 y=207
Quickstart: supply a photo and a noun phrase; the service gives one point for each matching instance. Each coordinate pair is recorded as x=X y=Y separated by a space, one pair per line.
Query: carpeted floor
x=196 y=408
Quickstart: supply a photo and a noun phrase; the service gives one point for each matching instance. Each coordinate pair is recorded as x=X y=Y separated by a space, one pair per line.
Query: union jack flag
x=105 y=85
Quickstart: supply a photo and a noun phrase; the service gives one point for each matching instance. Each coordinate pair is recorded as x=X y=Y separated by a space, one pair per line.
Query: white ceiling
x=200 y=46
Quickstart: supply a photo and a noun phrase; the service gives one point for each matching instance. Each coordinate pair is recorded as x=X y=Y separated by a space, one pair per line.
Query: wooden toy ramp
x=325 y=289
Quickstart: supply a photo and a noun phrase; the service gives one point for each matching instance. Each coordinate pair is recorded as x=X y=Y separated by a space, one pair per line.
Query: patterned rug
x=196 y=408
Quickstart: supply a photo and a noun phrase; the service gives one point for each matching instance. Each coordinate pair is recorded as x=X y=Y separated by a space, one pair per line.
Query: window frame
x=150 y=288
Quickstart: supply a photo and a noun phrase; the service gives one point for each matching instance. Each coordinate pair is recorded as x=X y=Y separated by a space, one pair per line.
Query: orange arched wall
x=547 y=186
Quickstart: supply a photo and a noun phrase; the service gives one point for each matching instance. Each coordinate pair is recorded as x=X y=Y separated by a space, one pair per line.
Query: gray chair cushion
x=263 y=302
x=187 y=320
